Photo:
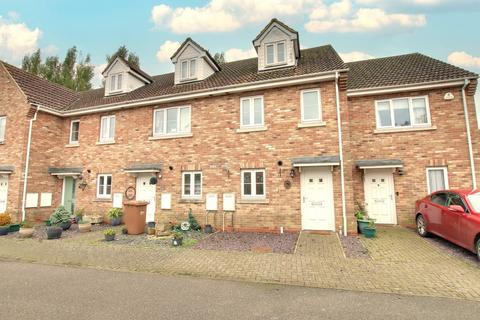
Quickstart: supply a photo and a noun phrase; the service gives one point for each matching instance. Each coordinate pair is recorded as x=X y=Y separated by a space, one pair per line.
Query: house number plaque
x=130 y=193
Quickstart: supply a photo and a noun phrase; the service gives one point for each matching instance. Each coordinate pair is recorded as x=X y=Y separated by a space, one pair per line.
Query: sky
x=357 y=29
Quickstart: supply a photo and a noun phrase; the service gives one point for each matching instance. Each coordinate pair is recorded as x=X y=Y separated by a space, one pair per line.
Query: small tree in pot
x=115 y=216
x=5 y=221
x=109 y=234
x=362 y=217
x=61 y=218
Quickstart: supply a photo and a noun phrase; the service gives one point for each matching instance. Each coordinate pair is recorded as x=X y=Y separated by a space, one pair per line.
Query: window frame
x=114 y=79
x=445 y=177
x=110 y=139
x=70 y=140
x=275 y=53
x=189 y=76
x=252 y=112
x=410 y=112
x=192 y=185
x=4 y=133
x=254 y=195
x=164 y=131
x=302 y=111
x=103 y=194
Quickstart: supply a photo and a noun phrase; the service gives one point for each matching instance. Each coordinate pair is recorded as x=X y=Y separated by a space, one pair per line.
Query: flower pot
x=14 y=227
x=26 y=232
x=116 y=221
x=369 y=232
x=84 y=227
x=176 y=242
x=109 y=237
x=151 y=231
x=208 y=228
x=54 y=232
x=362 y=224
x=66 y=225
x=4 y=230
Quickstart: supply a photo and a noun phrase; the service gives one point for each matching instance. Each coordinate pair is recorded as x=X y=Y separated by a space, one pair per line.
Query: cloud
x=355 y=56
x=239 y=54
x=166 y=50
x=17 y=40
x=461 y=58
x=50 y=50
x=97 y=75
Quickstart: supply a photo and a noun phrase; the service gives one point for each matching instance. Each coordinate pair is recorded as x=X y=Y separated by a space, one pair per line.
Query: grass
x=189 y=242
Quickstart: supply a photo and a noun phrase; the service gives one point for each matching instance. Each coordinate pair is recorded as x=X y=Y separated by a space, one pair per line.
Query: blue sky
x=358 y=29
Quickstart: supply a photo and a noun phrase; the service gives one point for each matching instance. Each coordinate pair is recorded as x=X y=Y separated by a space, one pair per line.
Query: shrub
x=60 y=215
x=5 y=219
x=193 y=222
x=115 y=213
x=79 y=213
x=27 y=224
x=177 y=235
x=109 y=232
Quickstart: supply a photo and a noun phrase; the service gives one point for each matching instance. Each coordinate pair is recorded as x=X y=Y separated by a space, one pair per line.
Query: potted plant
x=26 y=229
x=362 y=217
x=84 y=226
x=79 y=215
x=177 y=239
x=208 y=228
x=151 y=228
x=370 y=231
x=115 y=216
x=5 y=221
x=54 y=232
x=14 y=227
x=109 y=234
x=61 y=218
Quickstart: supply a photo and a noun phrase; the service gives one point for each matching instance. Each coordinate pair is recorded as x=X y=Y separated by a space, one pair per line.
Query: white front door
x=147 y=192
x=3 y=193
x=317 y=199
x=380 y=195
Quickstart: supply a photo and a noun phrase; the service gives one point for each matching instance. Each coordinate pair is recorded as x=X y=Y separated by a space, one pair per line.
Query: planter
x=176 y=242
x=54 y=232
x=116 y=221
x=208 y=228
x=47 y=223
x=369 y=232
x=26 y=232
x=4 y=230
x=66 y=225
x=362 y=224
x=14 y=227
x=151 y=231
x=109 y=237
x=84 y=227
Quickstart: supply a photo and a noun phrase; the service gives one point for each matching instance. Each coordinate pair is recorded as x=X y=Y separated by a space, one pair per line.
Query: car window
x=439 y=198
x=455 y=199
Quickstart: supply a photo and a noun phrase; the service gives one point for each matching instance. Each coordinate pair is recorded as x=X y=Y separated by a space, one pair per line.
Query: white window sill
x=72 y=145
x=191 y=200
x=251 y=129
x=394 y=130
x=253 y=201
x=100 y=143
x=275 y=65
x=311 y=124
x=102 y=200
x=171 y=136
x=188 y=80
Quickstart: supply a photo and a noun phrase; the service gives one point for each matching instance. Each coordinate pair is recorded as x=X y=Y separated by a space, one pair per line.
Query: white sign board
x=229 y=201
x=118 y=200
x=45 y=199
x=211 y=203
x=32 y=200
x=166 y=201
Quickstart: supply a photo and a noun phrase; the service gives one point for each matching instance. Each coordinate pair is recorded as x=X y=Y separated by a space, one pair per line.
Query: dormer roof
x=136 y=71
x=204 y=52
x=275 y=23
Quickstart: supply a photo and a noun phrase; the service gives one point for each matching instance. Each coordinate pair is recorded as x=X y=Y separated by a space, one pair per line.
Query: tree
x=219 y=57
x=127 y=55
x=32 y=63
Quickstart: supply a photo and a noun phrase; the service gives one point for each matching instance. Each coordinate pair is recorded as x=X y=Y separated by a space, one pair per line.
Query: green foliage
x=5 y=219
x=59 y=216
x=115 y=213
x=361 y=212
x=109 y=232
x=177 y=227
x=27 y=224
x=177 y=235
x=79 y=213
x=193 y=222
x=125 y=54
x=189 y=242
x=219 y=57
x=371 y=223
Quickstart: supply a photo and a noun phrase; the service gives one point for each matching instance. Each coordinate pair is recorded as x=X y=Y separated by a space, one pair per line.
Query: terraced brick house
x=289 y=140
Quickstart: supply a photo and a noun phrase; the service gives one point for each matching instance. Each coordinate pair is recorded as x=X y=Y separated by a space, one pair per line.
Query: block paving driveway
x=400 y=262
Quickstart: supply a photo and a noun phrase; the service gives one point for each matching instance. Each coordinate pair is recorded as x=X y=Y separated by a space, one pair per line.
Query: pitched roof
x=401 y=70
x=275 y=20
x=212 y=60
x=40 y=91
x=131 y=66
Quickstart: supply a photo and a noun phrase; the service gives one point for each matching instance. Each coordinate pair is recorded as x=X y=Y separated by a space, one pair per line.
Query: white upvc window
x=172 y=121
x=188 y=69
x=116 y=82
x=251 y=112
x=437 y=179
x=104 y=186
x=3 y=128
x=311 y=105
x=409 y=112
x=74 y=131
x=275 y=53
x=253 y=184
x=192 y=184
x=107 y=129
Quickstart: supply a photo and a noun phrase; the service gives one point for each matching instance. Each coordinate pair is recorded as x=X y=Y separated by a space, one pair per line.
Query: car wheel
x=478 y=249
x=422 y=226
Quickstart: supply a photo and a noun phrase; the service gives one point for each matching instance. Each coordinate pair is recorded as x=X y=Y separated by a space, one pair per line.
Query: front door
x=3 y=193
x=69 y=194
x=380 y=195
x=317 y=199
x=147 y=192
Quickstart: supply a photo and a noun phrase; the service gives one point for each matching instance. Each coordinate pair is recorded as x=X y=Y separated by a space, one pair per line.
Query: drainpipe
x=340 y=150
x=469 y=138
x=27 y=160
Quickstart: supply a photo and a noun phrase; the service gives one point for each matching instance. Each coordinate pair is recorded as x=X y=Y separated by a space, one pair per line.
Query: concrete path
x=33 y=291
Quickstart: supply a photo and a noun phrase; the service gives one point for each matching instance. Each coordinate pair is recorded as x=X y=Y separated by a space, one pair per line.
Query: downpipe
x=27 y=160
x=469 y=137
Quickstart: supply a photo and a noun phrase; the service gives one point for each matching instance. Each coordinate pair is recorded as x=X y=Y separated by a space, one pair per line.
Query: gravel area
x=191 y=238
x=40 y=232
x=257 y=242
x=353 y=248
x=454 y=250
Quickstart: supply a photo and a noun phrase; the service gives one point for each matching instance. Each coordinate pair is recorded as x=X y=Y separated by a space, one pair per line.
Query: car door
x=451 y=218
x=434 y=210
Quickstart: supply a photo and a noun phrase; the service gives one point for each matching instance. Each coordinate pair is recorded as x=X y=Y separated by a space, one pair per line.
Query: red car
x=453 y=215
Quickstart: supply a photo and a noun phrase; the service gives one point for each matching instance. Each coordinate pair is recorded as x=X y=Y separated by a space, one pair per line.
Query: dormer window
x=275 y=53
x=189 y=69
x=116 y=82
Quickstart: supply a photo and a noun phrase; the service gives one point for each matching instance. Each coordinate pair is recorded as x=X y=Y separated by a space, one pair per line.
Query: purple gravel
x=262 y=242
x=454 y=250
x=353 y=248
